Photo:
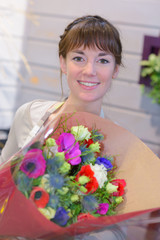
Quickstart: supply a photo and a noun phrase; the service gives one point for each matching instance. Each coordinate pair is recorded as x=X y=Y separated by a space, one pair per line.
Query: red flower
x=40 y=197
x=92 y=185
x=84 y=216
x=121 y=184
x=88 y=143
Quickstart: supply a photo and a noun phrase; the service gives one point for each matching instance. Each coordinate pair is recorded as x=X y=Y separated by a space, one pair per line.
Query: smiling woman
x=90 y=56
x=89 y=73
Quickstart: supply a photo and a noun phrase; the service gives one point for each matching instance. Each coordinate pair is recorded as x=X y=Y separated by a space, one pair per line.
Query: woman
x=90 y=55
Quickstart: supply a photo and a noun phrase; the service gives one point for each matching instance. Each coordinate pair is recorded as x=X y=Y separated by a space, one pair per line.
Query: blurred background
x=29 y=66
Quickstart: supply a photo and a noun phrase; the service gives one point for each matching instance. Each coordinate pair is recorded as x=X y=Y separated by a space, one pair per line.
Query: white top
x=28 y=120
x=26 y=117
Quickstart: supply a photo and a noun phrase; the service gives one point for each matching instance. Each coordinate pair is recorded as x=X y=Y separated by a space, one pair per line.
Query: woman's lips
x=88 y=85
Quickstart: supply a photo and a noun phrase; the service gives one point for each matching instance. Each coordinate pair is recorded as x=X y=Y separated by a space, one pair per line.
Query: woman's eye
x=104 y=61
x=78 y=59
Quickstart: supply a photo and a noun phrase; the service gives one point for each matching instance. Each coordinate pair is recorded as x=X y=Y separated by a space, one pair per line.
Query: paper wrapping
x=137 y=164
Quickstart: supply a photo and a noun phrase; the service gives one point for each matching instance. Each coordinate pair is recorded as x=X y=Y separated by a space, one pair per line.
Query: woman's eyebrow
x=103 y=54
x=79 y=52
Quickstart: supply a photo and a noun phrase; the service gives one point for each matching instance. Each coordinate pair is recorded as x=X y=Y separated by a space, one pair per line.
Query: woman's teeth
x=88 y=84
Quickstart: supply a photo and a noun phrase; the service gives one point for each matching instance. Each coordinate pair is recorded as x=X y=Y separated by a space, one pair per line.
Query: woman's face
x=89 y=73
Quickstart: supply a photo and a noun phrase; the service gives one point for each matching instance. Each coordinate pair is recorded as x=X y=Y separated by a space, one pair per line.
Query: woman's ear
x=63 y=64
x=116 y=71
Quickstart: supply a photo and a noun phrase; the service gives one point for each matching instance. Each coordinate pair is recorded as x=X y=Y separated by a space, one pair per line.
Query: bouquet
x=79 y=174
x=67 y=176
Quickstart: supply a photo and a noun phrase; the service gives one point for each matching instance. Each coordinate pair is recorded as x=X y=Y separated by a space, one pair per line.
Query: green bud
x=83 y=180
x=119 y=200
x=45 y=183
x=69 y=213
x=111 y=188
x=95 y=147
x=60 y=156
x=63 y=191
x=74 y=198
x=83 y=189
x=65 y=168
x=50 y=142
x=48 y=212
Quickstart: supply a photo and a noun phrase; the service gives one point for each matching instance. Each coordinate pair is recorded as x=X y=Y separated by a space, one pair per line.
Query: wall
x=12 y=36
x=124 y=103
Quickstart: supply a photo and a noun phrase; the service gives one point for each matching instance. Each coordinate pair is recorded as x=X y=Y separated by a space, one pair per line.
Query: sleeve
x=16 y=133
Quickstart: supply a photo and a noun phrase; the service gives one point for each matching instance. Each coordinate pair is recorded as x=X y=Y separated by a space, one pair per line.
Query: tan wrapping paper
x=137 y=164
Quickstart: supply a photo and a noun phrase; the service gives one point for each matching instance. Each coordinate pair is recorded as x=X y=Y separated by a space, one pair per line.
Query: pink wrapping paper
x=136 y=164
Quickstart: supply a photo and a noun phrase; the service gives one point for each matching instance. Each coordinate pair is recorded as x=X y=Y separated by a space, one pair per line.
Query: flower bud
x=45 y=183
x=60 y=156
x=83 y=180
x=48 y=212
x=111 y=188
x=83 y=189
x=74 y=198
x=119 y=200
x=63 y=191
x=50 y=142
x=95 y=147
x=65 y=168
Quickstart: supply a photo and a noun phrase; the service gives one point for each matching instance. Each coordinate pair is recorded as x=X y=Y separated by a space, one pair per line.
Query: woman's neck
x=72 y=105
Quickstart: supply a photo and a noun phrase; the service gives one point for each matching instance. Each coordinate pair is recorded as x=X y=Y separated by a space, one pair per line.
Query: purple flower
x=103 y=208
x=107 y=164
x=61 y=217
x=66 y=143
x=74 y=155
x=33 y=163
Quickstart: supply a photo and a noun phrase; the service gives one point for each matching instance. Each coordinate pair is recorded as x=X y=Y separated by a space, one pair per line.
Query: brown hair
x=91 y=31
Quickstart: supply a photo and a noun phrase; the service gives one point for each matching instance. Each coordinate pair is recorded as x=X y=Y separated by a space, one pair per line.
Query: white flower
x=45 y=183
x=100 y=173
x=80 y=133
x=53 y=150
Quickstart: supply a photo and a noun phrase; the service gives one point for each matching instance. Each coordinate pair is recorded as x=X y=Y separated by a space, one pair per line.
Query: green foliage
x=96 y=135
x=151 y=68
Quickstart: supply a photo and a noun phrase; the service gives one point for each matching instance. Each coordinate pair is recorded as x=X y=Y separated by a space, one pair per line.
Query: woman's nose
x=90 y=69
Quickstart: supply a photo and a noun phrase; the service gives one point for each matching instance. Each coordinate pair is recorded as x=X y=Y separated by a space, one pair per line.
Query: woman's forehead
x=83 y=49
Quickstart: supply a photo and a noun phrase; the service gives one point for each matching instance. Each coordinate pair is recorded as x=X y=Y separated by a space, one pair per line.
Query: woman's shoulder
x=38 y=108
x=32 y=112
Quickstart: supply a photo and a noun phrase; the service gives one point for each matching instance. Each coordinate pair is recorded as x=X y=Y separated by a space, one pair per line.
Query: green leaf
x=144 y=63
x=36 y=181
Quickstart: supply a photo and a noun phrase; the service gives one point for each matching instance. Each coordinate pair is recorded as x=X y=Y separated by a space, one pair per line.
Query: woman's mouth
x=88 y=84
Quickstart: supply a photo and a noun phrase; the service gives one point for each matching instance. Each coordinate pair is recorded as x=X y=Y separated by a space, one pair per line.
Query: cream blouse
x=28 y=119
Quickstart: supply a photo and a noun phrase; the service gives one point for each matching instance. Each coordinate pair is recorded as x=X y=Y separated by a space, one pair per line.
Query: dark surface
x=151 y=45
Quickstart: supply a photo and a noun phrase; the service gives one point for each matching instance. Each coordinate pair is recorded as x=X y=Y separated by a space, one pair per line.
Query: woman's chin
x=89 y=98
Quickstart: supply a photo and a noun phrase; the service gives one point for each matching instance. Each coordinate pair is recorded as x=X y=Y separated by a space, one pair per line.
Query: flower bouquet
x=76 y=176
